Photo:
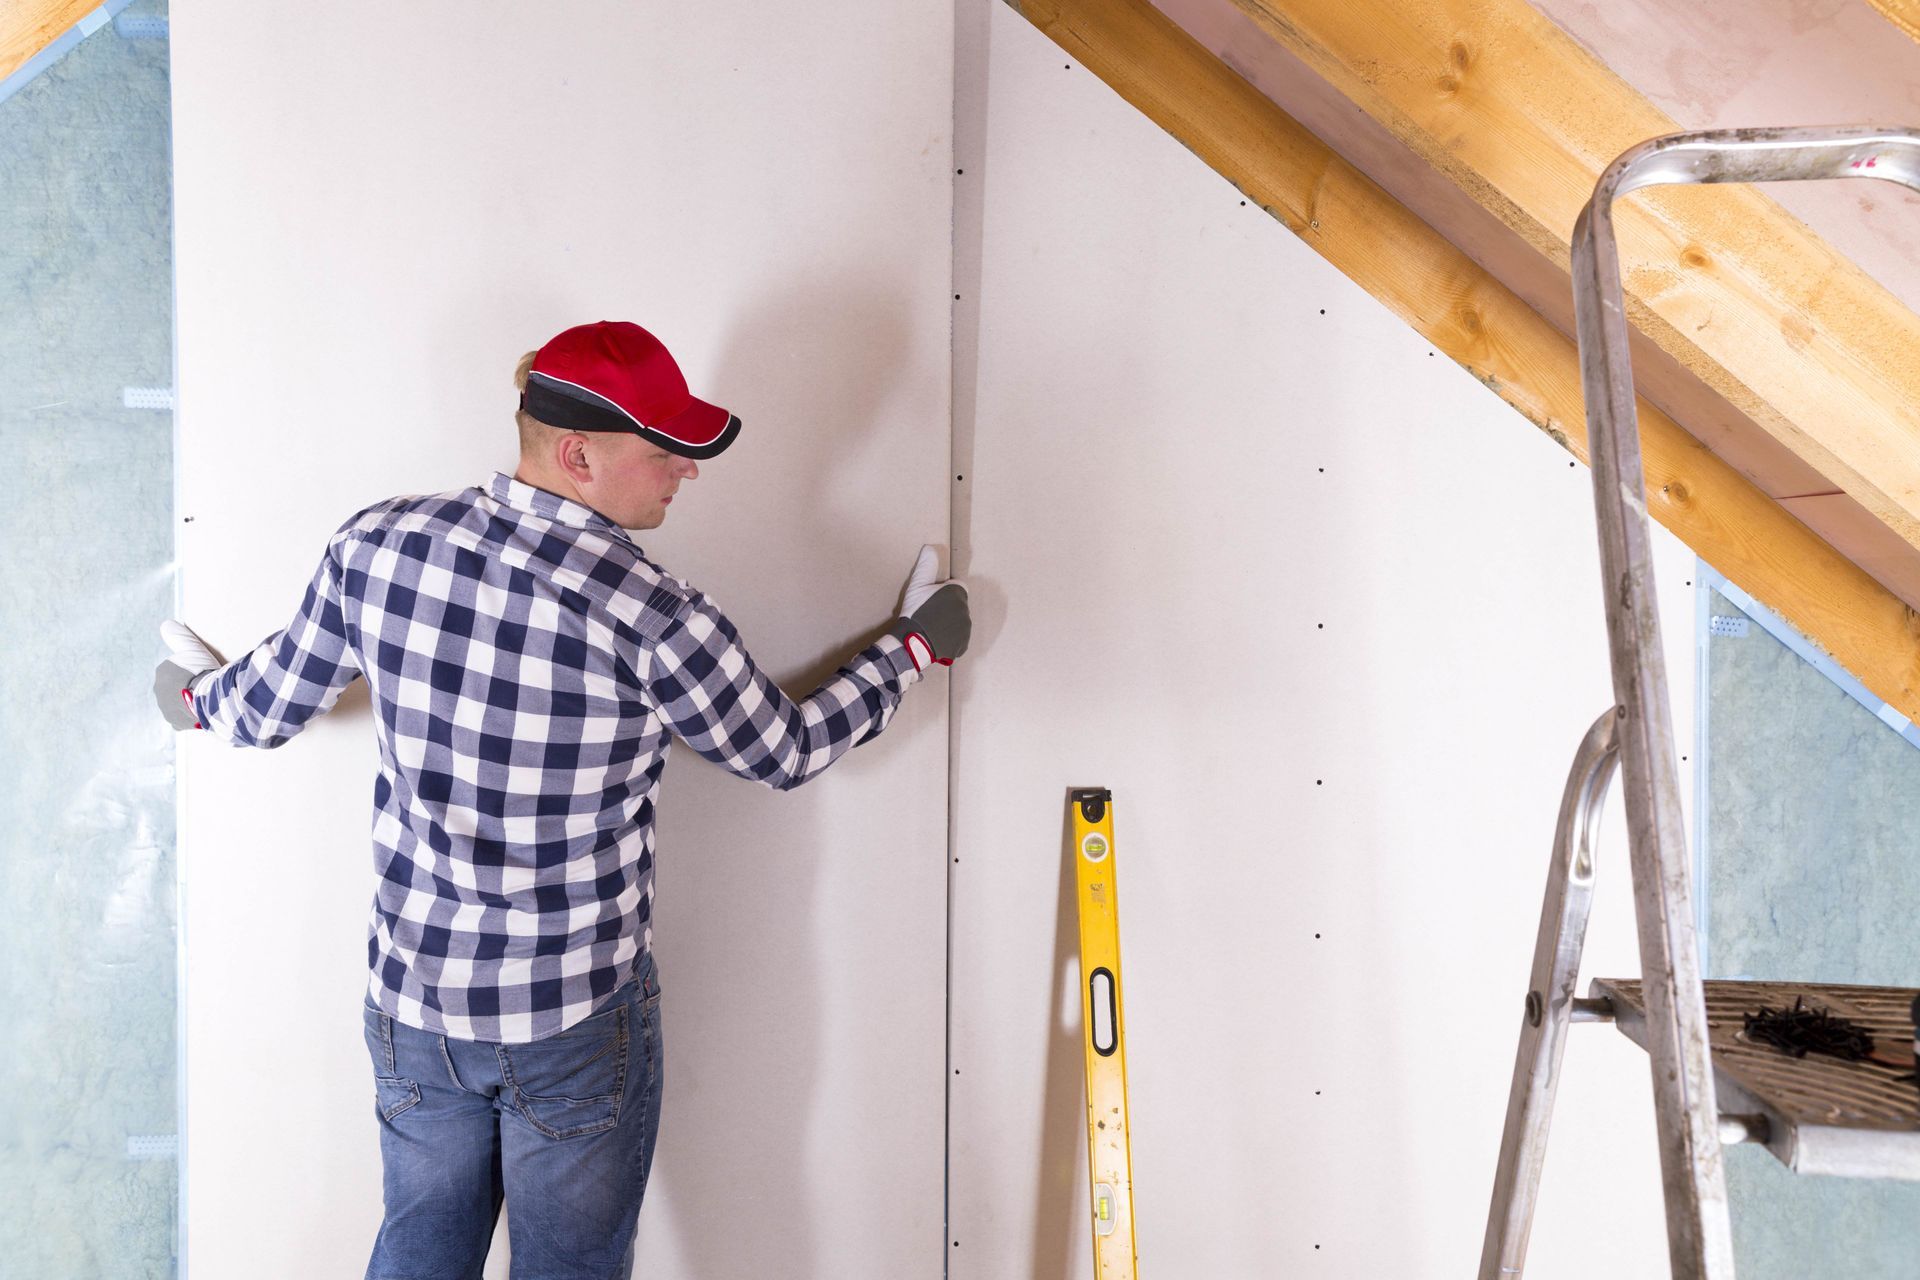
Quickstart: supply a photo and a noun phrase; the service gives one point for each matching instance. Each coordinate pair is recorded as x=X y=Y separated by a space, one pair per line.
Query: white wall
x=1325 y=615
x=379 y=207
x=377 y=212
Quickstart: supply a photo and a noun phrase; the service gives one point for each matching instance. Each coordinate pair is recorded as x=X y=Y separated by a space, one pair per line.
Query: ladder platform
x=1823 y=1114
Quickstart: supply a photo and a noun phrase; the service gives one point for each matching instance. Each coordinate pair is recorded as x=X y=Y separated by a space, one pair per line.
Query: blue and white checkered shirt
x=529 y=668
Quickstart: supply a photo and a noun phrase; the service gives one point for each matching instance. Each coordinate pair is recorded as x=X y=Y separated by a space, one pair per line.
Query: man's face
x=633 y=479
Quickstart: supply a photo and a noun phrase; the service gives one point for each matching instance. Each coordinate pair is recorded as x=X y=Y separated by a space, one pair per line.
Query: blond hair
x=534 y=434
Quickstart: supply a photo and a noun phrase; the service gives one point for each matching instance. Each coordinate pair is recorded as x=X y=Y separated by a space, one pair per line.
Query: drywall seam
x=967 y=208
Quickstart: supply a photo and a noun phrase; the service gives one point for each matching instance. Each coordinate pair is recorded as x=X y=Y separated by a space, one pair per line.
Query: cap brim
x=698 y=431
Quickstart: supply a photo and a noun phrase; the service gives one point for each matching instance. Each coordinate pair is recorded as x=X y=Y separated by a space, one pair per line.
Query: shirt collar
x=522 y=496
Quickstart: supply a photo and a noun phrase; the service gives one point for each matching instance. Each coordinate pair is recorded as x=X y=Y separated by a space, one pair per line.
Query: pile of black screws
x=1801 y=1031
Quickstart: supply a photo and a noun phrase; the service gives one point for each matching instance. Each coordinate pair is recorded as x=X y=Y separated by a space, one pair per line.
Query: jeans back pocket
x=394 y=1095
x=570 y=1084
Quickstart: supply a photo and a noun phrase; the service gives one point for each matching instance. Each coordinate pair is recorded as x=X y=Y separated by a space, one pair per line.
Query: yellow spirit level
x=1109 y=1141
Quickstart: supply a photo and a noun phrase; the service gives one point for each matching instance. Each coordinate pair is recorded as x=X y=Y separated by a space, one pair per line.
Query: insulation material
x=88 y=1167
x=1813 y=875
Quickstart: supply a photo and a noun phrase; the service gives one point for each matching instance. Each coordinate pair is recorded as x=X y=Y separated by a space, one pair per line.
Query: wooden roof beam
x=1222 y=27
x=1485 y=326
x=1491 y=124
x=28 y=26
x=1904 y=14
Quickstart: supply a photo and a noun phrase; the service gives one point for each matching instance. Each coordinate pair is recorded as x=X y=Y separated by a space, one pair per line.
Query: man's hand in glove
x=934 y=622
x=189 y=659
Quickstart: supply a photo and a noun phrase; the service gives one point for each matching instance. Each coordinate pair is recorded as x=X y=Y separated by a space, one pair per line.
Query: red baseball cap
x=615 y=376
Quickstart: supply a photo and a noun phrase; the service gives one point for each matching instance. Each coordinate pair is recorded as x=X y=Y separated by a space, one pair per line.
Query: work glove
x=934 y=623
x=189 y=659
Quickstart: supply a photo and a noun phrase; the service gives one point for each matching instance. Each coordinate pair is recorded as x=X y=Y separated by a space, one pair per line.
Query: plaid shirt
x=529 y=668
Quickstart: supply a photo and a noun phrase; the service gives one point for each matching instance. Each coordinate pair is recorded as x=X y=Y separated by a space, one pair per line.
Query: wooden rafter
x=1904 y=14
x=1539 y=277
x=1477 y=321
x=28 y=26
x=1503 y=105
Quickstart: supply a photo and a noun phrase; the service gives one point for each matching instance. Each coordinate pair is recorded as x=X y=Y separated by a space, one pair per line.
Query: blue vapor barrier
x=1783 y=631
x=89 y=1154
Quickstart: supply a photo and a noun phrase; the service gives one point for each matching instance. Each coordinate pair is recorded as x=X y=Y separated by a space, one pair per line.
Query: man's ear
x=570 y=452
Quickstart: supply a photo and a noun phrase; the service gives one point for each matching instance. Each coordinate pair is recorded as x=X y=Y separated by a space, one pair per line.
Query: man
x=529 y=667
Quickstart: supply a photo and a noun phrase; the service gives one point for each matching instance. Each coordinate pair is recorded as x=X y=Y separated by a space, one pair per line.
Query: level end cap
x=1093 y=801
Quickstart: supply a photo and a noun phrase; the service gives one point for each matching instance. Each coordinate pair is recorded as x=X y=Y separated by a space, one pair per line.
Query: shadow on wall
x=737 y=929
x=747 y=941
x=819 y=411
x=814 y=370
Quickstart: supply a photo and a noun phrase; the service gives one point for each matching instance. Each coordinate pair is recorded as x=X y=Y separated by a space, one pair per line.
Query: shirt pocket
x=570 y=1085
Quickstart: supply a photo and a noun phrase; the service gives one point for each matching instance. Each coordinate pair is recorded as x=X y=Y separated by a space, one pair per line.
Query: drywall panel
x=1326 y=616
x=379 y=209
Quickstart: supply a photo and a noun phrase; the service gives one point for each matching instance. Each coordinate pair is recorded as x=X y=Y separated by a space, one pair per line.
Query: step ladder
x=1710 y=1084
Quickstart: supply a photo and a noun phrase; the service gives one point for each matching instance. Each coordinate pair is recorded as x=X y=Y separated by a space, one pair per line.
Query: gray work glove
x=934 y=622
x=189 y=659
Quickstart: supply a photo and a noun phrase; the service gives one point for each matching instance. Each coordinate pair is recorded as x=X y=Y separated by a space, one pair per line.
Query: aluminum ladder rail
x=1638 y=732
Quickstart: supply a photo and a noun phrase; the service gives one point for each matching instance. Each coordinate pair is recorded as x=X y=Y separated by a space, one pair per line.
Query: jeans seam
x=447 y=1058
x=620 y=1071
x=653 y=1050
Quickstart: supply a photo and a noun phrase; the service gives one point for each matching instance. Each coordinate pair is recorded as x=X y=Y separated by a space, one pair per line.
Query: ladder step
x=1823 y=1114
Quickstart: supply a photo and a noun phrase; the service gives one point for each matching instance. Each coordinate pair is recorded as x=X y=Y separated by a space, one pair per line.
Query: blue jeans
x=562 y=1128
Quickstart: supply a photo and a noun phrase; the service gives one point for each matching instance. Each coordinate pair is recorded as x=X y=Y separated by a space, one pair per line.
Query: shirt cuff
x=197 y=688
x=894 y=657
